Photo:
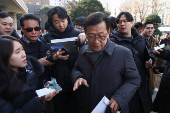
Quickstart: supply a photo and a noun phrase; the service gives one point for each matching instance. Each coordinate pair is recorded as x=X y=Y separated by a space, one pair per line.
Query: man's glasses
x=100 y=38
x=31 y=29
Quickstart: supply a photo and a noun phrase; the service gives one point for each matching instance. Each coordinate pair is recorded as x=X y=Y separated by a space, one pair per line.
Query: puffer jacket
x=61 y=70
x=139 y=48
x=27 y=101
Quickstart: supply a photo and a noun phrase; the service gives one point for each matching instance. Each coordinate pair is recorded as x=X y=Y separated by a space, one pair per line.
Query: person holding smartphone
x=19 y=79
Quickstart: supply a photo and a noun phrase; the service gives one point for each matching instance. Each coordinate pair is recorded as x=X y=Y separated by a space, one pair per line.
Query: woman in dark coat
x=19 y=79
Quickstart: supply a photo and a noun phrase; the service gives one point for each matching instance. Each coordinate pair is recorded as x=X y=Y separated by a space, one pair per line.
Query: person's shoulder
x=21 y=39
x=76 y=31
x=155 y=39
x=42 y=40
x=46 y=35
x=121 y=48
x=3 y=82
x=37 y=66
x=141 y=37
x=82 y=49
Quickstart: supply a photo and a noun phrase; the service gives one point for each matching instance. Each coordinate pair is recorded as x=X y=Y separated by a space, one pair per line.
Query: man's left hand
x=114 y=106
x=148 y=64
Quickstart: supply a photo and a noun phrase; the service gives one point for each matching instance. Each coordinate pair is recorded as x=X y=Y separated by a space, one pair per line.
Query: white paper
x=101 y=106
x=159 y=47
x=63 y=40
x=44 y=91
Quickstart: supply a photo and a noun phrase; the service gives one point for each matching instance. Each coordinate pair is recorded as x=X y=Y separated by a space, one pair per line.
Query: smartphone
x=66 y=51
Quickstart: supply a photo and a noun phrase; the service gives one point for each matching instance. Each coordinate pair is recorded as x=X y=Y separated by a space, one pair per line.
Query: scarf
x=94 y=55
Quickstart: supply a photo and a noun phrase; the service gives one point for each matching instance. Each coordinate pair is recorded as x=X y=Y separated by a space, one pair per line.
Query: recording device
x=156 y=48
x=66 y=51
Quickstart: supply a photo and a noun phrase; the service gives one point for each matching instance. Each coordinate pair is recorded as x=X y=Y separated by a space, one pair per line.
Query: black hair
x=4 y=14
x=138 y=24
x=96 y=18
x=28 y=16
x=14 y=84
x=127 y=15
x=60 y=11
x=80 y=21
x=113 y=23
x=148 y=22
x=167 y=33
x=47 y=26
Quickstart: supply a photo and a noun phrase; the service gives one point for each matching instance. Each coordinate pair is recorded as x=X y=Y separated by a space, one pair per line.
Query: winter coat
x=26 y=101
x=162 y=100
x=38 y=50
x=152 y=79
x=61 y=70
x=114 y=75
x=139 y=47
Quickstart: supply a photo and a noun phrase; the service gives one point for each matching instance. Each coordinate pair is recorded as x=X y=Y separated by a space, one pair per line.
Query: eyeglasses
x=31 y=29
x=100 y=38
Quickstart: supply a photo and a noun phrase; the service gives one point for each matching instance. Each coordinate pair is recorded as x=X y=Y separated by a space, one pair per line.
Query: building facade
x=37 y=2
x=14 y=7
x=164 y=13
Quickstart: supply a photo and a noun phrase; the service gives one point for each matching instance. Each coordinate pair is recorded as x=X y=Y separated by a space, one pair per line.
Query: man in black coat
x=61 y=26
x=166 y=40
x=127 y=36
x=104 y=68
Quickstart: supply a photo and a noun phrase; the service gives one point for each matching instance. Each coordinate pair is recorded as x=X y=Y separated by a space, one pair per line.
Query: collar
x=27 y=41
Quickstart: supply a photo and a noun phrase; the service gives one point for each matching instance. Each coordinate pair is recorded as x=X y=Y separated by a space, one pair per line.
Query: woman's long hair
x=14 y=87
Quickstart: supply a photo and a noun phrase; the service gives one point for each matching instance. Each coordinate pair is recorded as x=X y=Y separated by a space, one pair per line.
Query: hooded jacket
x=139 y=48
x=61 y=70
x=26 y=101
x=53 y=33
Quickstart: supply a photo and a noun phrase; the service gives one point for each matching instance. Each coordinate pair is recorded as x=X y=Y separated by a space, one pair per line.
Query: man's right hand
x=60 y=56
x=79 y=82
x=45 y=62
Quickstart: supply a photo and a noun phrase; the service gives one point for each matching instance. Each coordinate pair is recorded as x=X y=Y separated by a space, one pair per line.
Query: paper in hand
x=53 y=86
x=156 y=48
